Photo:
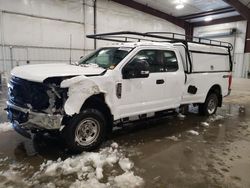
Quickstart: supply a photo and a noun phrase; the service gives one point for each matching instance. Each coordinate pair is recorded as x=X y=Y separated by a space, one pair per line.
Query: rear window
x=170 y=61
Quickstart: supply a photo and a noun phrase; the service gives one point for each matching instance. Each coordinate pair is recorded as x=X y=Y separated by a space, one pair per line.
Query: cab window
x=159 y=60
x=154 y=59
x=170 y=61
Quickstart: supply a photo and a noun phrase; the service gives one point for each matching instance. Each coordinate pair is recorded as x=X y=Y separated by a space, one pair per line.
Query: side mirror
x=138 y=68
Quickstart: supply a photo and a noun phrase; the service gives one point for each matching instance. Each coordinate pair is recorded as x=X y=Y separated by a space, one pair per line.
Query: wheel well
x=98 y=102
x=216 y=89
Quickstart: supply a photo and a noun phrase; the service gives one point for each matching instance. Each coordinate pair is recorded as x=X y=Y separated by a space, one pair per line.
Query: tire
x=210 y=106
x=85 y=131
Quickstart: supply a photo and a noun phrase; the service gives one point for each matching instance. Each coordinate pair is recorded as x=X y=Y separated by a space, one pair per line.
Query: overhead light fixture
x=208 y=19
x=179 y=6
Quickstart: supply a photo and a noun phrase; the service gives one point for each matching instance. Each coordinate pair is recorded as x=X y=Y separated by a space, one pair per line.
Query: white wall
x=43 y=33
x=240 y=65
x=115 y=17
x=39 y=31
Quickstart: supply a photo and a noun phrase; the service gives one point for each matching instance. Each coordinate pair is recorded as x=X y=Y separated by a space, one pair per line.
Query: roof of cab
x=137 y=44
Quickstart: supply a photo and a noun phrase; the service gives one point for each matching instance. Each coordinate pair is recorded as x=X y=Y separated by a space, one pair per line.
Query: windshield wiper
x=91 y=65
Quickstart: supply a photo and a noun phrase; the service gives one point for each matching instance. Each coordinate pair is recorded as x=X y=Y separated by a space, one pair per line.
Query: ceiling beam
x=240 y=7
x=219 y=21
x=208 y=13
x=154 y=12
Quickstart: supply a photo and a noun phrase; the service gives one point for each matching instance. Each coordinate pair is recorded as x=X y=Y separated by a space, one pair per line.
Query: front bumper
x=29 y=120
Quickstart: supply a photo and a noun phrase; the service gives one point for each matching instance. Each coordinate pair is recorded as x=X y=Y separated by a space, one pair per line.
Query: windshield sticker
x=112 y=67
x=125 y=49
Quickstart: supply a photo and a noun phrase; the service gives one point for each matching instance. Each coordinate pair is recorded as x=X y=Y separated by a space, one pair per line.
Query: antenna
x=70 y=48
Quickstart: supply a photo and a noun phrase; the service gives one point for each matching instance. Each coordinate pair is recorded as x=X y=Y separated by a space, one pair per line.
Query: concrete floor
x=164 y=153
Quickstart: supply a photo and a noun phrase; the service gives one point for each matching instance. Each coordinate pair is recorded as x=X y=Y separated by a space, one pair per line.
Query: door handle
x=161 y=81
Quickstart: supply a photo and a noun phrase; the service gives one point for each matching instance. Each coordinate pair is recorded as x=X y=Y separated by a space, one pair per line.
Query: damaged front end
x=34 y=106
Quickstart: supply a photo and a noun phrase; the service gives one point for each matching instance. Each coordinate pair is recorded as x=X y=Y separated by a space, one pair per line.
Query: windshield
x=106 y=57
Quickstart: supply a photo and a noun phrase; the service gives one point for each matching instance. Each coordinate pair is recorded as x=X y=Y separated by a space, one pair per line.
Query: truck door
x=174 y=78
x=160 y=90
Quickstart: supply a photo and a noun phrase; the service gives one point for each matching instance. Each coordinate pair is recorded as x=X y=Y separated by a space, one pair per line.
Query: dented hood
x=38 y=73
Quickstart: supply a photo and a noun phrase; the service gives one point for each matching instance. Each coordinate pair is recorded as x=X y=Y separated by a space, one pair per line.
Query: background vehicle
x=141 y=76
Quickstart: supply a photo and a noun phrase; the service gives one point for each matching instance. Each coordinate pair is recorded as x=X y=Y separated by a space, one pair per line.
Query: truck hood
x=38 y=73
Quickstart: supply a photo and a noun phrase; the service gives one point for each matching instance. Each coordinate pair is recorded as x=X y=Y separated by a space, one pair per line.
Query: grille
x=26 y=93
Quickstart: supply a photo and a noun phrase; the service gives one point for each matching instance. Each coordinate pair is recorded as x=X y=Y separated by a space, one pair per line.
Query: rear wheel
x=210 y=106
x=85 y=131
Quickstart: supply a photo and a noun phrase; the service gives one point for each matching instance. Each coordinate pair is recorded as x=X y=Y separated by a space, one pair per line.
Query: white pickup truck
x=138 y=77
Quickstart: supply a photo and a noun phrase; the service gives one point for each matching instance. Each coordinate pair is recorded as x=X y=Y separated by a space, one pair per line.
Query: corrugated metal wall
x=34 y=31
x=38 y=31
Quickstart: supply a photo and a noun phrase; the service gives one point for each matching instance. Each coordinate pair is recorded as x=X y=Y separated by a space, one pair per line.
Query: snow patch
x=157 y=140
x=216 y=118
x=205 y=124
x=50 y=185
x=174 y=138
x=88 y=168
x=192 y=132
x=4 y=159
x=6 y=126
x=114 y=145
x=128 y=179
x=181 y=116
x=11 y=177
x=242 y=109
x=90 y=183
x=125 y=164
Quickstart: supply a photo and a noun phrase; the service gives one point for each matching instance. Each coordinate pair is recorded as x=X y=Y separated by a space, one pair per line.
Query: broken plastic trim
x=38 y=120
x=80 y=88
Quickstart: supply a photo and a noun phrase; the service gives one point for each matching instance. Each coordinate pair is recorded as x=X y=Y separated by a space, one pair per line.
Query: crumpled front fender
x=80 y=88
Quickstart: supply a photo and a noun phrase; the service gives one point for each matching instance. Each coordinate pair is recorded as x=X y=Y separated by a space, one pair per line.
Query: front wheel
x=210 y=106
x=85 y=131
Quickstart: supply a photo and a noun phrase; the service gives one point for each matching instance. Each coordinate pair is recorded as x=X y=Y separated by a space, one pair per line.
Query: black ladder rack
x=130 y=36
